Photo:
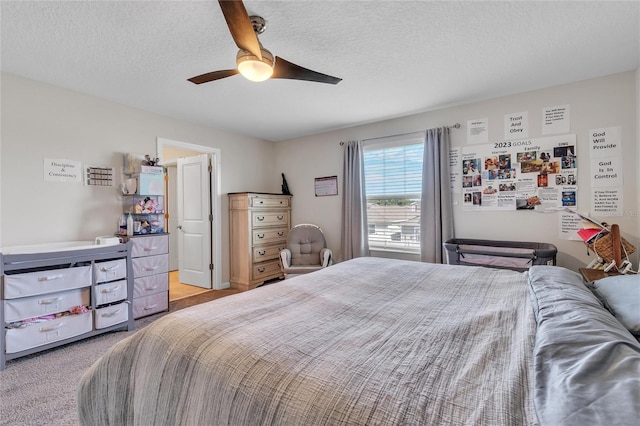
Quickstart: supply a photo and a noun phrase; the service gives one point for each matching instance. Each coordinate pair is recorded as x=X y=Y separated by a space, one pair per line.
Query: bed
x=374 y=342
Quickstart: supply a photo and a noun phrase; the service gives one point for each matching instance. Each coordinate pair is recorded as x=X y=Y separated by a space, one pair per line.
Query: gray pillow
x=621 y=296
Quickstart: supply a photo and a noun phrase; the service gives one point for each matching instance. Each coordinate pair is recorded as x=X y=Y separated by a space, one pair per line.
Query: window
x=393 y=182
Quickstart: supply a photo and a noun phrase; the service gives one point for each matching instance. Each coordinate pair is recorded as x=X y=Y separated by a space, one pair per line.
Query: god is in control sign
x=62 y=170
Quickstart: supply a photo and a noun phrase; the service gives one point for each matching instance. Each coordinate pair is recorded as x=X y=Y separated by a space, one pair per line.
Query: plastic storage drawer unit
x=514 y=255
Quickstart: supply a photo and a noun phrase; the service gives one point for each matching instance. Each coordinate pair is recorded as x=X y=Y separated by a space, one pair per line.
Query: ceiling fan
x=254 y=61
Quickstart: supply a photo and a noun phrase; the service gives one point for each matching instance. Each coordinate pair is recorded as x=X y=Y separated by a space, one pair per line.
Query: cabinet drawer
x=33 y=283
x=111 y=315
x=45 y=304
x=260 y=254
x=269 y=236
x=149 y=285
x=268 y=201
x=38 y=334
x=149 y=246
x=266 y=270
x=261 y=219
x=151 y=304
x=110 y=271
x=110 y=292
x=150 y=265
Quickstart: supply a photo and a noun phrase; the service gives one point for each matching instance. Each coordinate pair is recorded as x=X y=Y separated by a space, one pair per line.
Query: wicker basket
x=603 y=247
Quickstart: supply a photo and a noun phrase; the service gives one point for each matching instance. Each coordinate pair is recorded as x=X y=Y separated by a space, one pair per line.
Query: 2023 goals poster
x=527 y=174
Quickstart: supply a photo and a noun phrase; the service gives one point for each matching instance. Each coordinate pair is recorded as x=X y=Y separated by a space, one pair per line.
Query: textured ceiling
x=395 y=57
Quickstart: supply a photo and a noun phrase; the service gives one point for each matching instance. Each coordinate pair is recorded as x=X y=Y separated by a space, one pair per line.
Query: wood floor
x=183 y=295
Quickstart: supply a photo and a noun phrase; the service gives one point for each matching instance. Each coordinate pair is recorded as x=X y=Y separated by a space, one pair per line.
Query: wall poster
x=528 y=174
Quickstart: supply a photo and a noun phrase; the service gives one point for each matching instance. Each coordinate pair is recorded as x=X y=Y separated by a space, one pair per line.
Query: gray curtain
x=355 y=241
x=436 y=213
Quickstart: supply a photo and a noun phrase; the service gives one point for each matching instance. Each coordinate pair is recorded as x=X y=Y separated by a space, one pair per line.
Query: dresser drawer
x=268 y=201
x=110 y=292
x=111 y=315
x=45 y=304
x=53 y=280
x=38 y=334
x=151 y=304
x=149 y=246
x=269 y=236
x=150 y=285
x=110 y=271
x=150 y=265
x=261 y=254
x=266 y=270
x=261 y=219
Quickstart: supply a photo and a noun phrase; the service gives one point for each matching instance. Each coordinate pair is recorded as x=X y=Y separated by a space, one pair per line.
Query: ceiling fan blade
x=211 y=76
x=291 y=71
x=240 y=26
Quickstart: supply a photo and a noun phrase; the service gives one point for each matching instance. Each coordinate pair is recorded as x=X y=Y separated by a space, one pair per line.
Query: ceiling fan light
x=252 y=68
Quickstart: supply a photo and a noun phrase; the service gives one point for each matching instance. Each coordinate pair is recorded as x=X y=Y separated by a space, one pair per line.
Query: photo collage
x=534 y=174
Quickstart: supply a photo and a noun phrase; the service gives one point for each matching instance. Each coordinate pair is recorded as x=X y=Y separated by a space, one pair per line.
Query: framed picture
x=327 y=185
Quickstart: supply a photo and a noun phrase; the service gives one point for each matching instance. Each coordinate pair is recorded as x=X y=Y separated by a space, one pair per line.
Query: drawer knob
x=111 y=289
x=260 y=218
x=280 y=217
x=50 y=277
x=260 y=235
x=51 y=327
x=261 y=270
x=148 y=308
x=49 y=301
x=262 y=252
x=105 y=268
x=150 y=248
x=110 y=314
x=280 y=234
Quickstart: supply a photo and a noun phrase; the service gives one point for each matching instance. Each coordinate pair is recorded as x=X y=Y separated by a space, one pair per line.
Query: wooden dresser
x=259 y=224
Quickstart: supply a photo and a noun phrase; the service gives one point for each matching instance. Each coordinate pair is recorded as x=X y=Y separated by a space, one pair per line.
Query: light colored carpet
x=40 y=389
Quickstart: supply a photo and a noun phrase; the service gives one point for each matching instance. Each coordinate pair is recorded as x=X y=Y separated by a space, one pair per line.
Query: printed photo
x=471 y=167
x=568 y=162
x=563 y=151
x=477 y=198
x=569 y=198
x=491 y=163
x=528 y=156
x=505 y=161
x=467 y=181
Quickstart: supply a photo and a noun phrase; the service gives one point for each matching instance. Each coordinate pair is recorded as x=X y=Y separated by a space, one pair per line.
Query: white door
x=194 y=221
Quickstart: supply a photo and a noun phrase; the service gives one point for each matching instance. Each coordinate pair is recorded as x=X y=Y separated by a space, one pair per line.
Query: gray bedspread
x=586 y=364
x=364 y=342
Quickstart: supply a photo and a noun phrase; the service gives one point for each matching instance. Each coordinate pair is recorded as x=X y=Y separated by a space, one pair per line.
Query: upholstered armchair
x=306 y=251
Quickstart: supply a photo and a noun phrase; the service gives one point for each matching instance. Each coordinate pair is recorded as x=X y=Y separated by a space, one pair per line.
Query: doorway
x=169 y=152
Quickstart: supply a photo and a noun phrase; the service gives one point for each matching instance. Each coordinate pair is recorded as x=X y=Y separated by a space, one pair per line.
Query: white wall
x=602 y=102
x=42 y=121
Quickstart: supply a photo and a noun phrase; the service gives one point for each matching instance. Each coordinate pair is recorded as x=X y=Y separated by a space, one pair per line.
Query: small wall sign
x=62 y=170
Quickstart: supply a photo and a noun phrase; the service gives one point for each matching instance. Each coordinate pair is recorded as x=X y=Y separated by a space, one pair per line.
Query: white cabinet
x=53 y=297
x=259 y=224
x=150 y=269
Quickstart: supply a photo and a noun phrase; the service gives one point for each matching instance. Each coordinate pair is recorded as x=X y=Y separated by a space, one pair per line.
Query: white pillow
x=621 y=296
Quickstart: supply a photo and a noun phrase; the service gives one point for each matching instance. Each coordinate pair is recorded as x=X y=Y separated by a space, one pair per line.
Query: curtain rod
x=453 y=126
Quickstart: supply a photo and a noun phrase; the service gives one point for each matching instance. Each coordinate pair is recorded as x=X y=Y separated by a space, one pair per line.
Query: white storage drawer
x=34 y=283
x=110 y=271
x=45 y=304
x=38 y=334
x=110 y=292
x=151 y=304
x=145 y=266
x=149 y=285
x=149 y=246
x=111 y=315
